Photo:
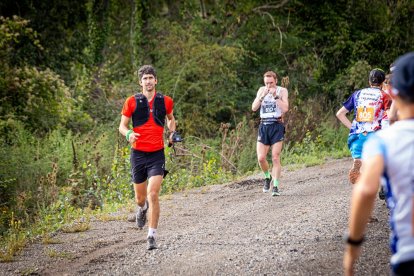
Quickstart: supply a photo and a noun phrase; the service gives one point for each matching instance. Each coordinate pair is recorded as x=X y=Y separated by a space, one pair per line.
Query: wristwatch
x=353 y=242
x=276 y=97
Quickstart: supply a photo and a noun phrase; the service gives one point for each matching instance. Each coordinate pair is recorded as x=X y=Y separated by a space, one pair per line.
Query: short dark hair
x=377 y=76
x=146 y=70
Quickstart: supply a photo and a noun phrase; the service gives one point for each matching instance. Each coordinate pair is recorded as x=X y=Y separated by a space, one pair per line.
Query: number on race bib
x=365 y=114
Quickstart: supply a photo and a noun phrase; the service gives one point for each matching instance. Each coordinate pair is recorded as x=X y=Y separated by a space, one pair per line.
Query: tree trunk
x=203 y=9
x=173 y=9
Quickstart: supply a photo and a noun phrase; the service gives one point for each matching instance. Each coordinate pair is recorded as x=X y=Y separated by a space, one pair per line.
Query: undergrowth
x=68 y=179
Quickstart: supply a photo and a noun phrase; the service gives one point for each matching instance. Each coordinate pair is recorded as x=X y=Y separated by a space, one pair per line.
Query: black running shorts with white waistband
x=146 y=164
x=270 y=134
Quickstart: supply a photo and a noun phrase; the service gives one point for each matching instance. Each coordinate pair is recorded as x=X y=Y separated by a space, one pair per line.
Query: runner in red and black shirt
x=149 y=111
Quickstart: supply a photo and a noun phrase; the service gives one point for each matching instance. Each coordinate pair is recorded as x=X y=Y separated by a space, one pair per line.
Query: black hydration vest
x=141 y=113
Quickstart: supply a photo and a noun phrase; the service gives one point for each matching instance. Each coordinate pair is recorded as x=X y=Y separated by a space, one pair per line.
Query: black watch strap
x=353 y=242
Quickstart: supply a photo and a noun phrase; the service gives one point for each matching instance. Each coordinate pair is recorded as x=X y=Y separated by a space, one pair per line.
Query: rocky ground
x=232 y=229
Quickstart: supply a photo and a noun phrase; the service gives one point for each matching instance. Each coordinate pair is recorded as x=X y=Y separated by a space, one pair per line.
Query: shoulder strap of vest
x=139 y=96
x=160 y=96
x=161 y=100
x=278 y=89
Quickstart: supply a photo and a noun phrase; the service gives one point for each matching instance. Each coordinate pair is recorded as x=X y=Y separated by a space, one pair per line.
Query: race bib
x=365 y=114
x=269 y=108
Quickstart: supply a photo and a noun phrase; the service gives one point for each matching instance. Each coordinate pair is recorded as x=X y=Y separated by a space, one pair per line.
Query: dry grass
x=29 y=271
x=13 y=245
x=52 y=253
x=76 y=227
x=47 y=239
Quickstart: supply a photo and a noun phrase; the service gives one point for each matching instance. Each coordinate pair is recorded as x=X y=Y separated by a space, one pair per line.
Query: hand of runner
x=133 y=137
x=271 y=90
x=266 y=91
x=170 y=139
x=274 y=93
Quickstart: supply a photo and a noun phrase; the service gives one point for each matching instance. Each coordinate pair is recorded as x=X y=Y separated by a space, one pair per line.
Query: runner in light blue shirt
x=389 y=152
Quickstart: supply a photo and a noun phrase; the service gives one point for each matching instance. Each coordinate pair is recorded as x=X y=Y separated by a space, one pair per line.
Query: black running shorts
x=270 y=134
x=146 y=164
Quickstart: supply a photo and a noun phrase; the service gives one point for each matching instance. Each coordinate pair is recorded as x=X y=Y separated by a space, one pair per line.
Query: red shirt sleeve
x=169 y=104
x=129 y=107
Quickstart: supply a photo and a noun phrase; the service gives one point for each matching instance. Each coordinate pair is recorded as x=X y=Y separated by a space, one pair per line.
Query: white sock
x=145 y=206
x=152 y=232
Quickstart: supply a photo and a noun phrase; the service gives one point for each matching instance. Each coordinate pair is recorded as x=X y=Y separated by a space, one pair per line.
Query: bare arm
x=341 y=115
x=362 y=204
x=261 y=93
x=124 y=125
x=171 y=125
x=124 y=128
x=283 y=101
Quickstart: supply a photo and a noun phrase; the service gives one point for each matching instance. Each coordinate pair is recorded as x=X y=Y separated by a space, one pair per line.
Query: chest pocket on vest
x=159 y=111
x=142 y=111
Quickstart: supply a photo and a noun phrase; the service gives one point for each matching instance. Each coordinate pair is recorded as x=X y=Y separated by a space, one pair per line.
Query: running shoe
x=275 y=191
x=141 y=217
x=151 y=243
x=266 y=185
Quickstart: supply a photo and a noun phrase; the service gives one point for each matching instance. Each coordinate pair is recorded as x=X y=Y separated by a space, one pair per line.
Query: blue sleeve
x=349 y=104
x=373 y=146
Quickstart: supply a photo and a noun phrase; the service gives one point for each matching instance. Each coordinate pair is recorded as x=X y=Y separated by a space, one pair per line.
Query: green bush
x=36 y=170
x=328 y=140
x=39 y=99
x=193 y=76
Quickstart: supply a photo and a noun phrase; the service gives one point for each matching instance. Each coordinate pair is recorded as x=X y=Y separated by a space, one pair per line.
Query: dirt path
x=231 y=229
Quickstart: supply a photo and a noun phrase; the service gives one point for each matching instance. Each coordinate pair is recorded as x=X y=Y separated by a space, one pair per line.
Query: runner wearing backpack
x=149 y=111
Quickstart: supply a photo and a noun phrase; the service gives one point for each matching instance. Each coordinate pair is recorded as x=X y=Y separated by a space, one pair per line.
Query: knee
x=261 y=158
x=276 y=158
x=153 y=196
x=139 y=199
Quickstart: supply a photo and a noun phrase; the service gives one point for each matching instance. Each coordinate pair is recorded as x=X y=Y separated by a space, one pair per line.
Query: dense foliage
x=67 y=66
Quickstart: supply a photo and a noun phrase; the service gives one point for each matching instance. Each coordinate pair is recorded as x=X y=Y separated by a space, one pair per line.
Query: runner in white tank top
x=273 y=102
x=269 y=110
